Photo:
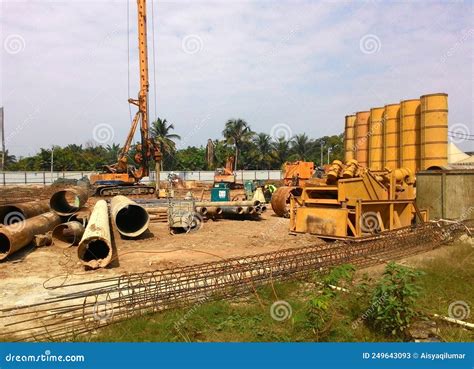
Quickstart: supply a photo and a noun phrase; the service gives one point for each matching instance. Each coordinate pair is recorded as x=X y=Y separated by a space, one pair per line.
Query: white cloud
x=293 y=62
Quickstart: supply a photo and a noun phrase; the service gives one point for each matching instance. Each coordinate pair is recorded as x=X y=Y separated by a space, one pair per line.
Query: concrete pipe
x=68 y=201
x=130 y=218
x=250 y=210
x=10 y=214
x=18 y=235
x=281 y=200
x=95 y=247
x=67 y=234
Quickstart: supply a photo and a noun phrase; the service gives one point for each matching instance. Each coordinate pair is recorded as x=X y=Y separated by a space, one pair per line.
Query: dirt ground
x=25 y=274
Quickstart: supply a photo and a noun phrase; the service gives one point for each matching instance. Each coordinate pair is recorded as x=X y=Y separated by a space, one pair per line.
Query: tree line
x=252 y=150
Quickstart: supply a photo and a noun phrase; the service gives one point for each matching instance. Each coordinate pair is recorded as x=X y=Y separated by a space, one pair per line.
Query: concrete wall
x=45 y=178
x=446 y=194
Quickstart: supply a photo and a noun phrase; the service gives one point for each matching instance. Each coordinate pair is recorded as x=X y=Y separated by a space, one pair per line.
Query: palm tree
x=236 y=132
x=160 y=132
x=263 y=150
x=113 y=151
x=6 y=159
x=301 y=145
x=281 y=148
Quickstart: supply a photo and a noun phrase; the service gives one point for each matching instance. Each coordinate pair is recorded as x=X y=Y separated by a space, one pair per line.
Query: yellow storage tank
x=349 y=138
x=434 y=131
x=361 y=133
x=391 y=136
x=376 y=138
x=410 y=134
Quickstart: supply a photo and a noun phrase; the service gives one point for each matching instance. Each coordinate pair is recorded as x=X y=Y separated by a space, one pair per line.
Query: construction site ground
x=25 y=274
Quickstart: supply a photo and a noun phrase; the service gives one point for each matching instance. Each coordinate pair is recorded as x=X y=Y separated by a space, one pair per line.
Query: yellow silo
x=434 y=131
x=391 y=136
x=361 y=132
x=349 y=138
x=410 y=134
x=376 y=138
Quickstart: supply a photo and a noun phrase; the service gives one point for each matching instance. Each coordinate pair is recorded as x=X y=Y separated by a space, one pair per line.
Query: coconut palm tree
x=264 y=154
x=6 y=159
x=281 y=149
x=160 y=132
x=113 y=151
x=236 y=132
x=301 y=146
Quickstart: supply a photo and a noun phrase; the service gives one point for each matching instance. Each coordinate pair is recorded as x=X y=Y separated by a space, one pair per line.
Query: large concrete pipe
x=130 y=218
x=68 y=201
x=67 y=234
x=95 y=248
x=14 y=213
x=16 y=236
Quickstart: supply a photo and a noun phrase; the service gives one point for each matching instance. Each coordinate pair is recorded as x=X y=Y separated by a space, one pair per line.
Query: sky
x=286 y=67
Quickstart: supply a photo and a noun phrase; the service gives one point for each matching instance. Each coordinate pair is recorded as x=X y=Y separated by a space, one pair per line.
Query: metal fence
x=45 y=178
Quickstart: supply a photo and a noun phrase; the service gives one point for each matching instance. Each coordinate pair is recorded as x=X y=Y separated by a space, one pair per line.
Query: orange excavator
x=121 y=177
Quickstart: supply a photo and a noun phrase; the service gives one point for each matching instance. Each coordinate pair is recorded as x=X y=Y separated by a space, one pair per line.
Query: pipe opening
x=4 y=245
x=65 y=202
x=10 y=214
x=96 y=250
x=131 y=219
x=63 y=236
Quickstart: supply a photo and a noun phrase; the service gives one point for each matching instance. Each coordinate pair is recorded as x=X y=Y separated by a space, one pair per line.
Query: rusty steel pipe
x=201 y=210
x=10 y=214
x=18 y=235
x=68 y=201
x=67 y=234
x=130 y=218
x=95 y=247
x=214 y=210
x=227 y=203
x=232 y=210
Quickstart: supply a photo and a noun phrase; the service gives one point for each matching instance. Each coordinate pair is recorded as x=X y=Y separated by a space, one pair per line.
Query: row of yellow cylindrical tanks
x=412 y=134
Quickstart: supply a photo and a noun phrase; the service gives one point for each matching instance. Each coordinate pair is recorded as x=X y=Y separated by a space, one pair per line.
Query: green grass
x=448 y=278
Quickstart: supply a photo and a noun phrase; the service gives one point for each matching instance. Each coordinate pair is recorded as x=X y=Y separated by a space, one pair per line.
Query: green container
x=220 y=192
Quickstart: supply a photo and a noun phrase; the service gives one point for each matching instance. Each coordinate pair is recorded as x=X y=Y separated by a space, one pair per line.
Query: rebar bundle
x=114 y=299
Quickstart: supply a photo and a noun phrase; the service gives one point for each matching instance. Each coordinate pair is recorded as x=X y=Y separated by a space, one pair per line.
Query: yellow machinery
x=376 y=138
x=354 y=202
x=349 y=137
x=409 y=149
x=226 y=175
x=361 y=134
x=295 y=174
x=122 y=178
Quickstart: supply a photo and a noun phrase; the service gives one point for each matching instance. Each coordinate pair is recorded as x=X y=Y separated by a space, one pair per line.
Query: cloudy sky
x=286 y=67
